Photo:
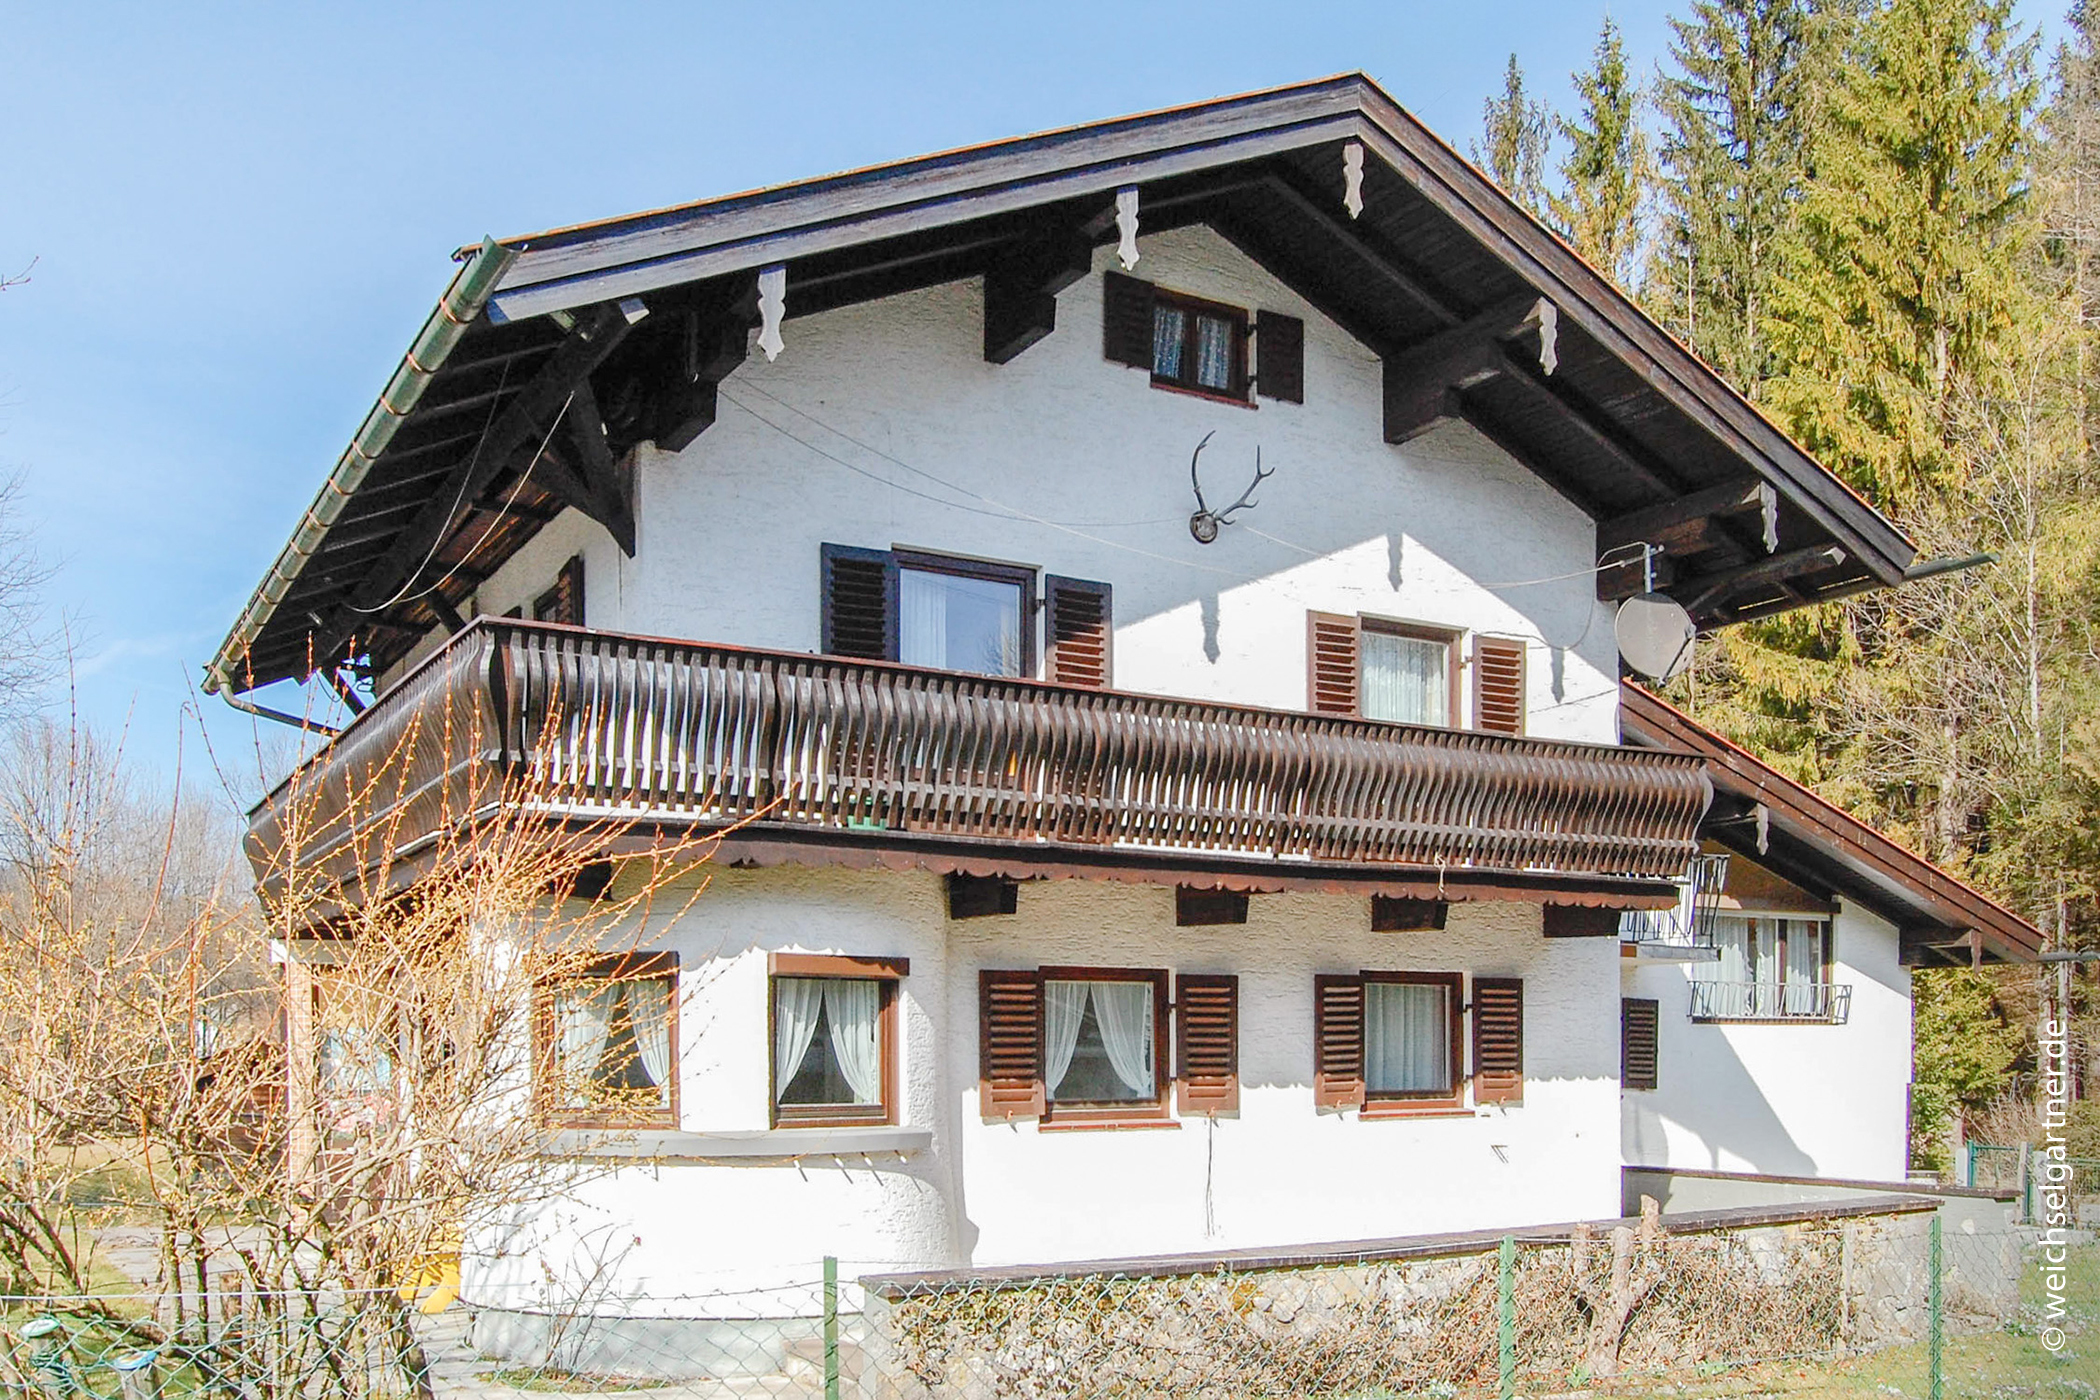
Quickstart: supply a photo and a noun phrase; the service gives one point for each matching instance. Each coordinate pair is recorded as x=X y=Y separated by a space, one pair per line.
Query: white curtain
x=1405 y=679
x=856 y=1035
x=649 y=1011
x=1407 y=1038
x=1123 y=1010
x=1169 y=327
x=1804 y=965
x=797 y=1002
x=923 y=622
x=1064 y=1006
x=584 y=1019
x=1732 y=941
x=1765 y=969
x=1213 y=352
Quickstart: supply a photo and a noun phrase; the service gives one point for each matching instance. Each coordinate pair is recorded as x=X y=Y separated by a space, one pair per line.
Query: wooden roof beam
x=1021 y=287
x=528 y=418
x=1705 y=590
x=716 y=339
x=1423 y=382
x=1683 y=525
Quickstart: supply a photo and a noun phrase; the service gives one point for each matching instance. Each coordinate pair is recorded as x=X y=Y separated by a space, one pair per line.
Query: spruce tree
x=1737 y=106
x=1516 y=134
x=1901 y=274
x=1607 y=170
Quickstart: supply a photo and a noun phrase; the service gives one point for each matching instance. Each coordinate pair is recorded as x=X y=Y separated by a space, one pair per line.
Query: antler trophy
x=1204 y=524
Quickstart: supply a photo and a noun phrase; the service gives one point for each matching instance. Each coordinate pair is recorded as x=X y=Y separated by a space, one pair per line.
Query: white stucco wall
x=1785 y=1099
x=1279 y=1174
x=1080 y=467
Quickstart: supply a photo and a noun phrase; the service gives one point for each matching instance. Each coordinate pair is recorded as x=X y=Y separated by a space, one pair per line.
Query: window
x=1406 y=674
x=956 y=615
x=1085 y=1045
x=563 y=601
x=1390 y=1042
x=1400 y=672
x=834 y=1039
x=1199 y=346
x=1770 y=968
x=1104 y=1037
x=609 y=1040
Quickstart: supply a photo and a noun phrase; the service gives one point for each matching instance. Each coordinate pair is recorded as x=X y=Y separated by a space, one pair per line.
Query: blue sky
x=240 y=214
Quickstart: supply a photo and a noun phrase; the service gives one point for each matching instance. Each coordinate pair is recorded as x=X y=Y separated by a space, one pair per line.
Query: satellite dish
x=1655 y=635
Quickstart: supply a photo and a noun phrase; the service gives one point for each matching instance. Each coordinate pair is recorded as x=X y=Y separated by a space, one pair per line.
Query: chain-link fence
x=2027 y=1172
x=1895 y=1303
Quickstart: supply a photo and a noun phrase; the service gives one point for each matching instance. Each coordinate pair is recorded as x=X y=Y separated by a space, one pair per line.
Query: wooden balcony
x=834 y=761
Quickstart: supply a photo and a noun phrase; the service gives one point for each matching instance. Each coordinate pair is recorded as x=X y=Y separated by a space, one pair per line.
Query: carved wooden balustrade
x=596 y=725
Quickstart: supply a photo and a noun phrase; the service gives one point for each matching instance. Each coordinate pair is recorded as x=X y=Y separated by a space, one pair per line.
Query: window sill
x=778 y=1144
x=1375 y=1112
x=1208 y=395
x=1086 y=1125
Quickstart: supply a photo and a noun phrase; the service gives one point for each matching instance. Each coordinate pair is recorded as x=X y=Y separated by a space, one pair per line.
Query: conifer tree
x=1737 y=106
x=1607 y=170
x=1901 y=275
x=1516 y=135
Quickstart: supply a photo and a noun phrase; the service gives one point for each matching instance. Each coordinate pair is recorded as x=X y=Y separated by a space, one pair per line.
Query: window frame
x=889 y=973
x=1408 y=1103
x=1156 y=1112
x=622 y=967
x=1240 y=320
x=1826 y=965
x=991 y=571
x=1451 y=638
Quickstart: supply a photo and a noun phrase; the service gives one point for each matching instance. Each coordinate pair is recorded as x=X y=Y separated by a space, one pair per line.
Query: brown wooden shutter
x=1126 y=320
x=860 y=603
x=1338 y=1042
x=1279 y=355
x=1498 y=685
x=1392 y=913
x=1498 y=1040
x=1207 y=1045
x=1081 y=632
x=1640 y=1025
x=564 y=601
x=1010 y=1044
x=1333 y=672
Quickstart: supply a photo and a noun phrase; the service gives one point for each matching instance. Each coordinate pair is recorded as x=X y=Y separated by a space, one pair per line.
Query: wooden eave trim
x=837 y=965
x=1821 y=824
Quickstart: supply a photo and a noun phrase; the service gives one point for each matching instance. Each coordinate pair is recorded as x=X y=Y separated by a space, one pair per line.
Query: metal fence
x=1891 y=1304
x=2026 y=1172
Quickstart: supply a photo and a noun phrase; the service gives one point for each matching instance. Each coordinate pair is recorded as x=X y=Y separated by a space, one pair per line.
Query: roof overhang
x=580 y=324
x=1816 y=844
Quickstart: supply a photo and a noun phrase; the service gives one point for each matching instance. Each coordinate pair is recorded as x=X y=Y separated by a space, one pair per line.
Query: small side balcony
x=823 y=760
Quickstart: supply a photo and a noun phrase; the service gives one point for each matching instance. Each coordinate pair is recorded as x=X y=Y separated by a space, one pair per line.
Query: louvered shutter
x=1081 y=632
x=1279 y=357
x=1010 y=1044
x=564 y=601
x=1338 y=1042
x=1126 y=320
x=860 y=603
x=1498 y=685
x=1498 y=1040
x=1640 y=1024
x=1333 y=672
x=1207 y=1045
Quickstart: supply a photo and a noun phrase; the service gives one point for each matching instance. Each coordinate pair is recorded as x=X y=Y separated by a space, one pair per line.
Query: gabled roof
x=642 y=316
x=1825 y=848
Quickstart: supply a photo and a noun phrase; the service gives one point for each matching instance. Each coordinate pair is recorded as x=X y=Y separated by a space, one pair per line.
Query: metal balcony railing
x=593 y=724
x=1684 y=933
x=1829 y=1003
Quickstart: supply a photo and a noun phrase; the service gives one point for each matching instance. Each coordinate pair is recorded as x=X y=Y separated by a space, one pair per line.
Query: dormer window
x=1200 y=346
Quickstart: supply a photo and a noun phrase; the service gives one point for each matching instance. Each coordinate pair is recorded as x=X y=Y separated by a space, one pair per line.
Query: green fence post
x=831 y=1320
x=1936 y=1317
x=1506 y=1315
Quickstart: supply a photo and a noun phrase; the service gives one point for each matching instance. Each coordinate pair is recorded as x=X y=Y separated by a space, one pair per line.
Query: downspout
x=456 y=310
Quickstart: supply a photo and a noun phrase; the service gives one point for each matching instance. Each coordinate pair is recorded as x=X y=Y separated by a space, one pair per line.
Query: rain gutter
x=456 y=310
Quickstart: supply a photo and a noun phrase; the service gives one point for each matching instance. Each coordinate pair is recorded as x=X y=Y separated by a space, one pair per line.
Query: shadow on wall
x=1727 y=1112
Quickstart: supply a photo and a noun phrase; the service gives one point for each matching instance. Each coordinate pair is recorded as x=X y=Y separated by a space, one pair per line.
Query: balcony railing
x=1684 y=933
x=602 y=725
x=1827 y=1002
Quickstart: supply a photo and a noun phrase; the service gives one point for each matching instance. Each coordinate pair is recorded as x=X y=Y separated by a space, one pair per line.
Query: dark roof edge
x=1649 y=720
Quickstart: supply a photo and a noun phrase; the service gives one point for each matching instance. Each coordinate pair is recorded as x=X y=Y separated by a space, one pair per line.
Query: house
x=1138 y=601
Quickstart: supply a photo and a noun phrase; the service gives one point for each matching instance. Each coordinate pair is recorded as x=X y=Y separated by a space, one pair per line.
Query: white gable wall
x=1786 y=1099
x=729 y=529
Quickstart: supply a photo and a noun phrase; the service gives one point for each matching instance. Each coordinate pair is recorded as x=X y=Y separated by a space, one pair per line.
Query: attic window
x=1199 y=346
